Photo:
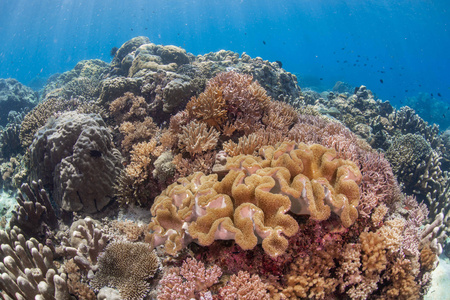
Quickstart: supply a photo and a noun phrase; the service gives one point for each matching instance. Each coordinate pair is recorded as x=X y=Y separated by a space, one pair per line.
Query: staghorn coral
x=250 y=203
x=244 y=286
x=127 y=267
x=190 y=281
x=197 y=138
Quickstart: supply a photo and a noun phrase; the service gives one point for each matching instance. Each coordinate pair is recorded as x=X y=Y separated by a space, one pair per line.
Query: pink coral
x=192 y=280
x=244 y=286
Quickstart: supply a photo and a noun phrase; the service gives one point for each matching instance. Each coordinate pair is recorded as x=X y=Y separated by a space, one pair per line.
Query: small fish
x=321 y=78
x=264 y=42
x=381 y=80
x=382 y=72
x=131 y=29
x=342 y=48
x=359 y=55
x=354 y=65
x=279 y=63
x=406 y=91
x=439 y=94
x=443 y=115
x=432 y=95
x=113 y=51
x=345 y=61
x=95 y=153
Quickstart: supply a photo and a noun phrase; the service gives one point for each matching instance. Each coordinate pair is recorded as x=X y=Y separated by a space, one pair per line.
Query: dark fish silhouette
x=381 y=80
x=406 y=91
x=279 y=63
x=321 y=78
x=264 y=42
x=113 y=51
x=95 y=153
x=439 y=94
x=432 y=95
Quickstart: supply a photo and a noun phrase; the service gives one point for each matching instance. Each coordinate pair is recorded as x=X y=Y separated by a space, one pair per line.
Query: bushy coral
x=244 y=286
x=191 y=281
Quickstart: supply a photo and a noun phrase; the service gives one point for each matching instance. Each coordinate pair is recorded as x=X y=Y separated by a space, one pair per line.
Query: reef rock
x=75 y=158
x=15 y=96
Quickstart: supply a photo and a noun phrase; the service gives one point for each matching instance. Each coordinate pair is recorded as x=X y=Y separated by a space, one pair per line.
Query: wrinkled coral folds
x=250 y=204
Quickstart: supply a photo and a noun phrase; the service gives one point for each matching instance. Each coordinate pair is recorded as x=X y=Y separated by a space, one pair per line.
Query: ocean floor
x=441 y=281
x=7 y=204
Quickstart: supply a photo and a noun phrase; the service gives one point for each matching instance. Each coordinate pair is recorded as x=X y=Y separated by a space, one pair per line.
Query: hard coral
x=244 y=286
x=191 y=281
x=197 y=138
x=233 y=98
x=127 y=267
x=250 y=204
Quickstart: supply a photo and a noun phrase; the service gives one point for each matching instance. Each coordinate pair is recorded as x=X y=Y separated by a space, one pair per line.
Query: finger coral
x=28 y=271
x=127 y=267
x=250 y=204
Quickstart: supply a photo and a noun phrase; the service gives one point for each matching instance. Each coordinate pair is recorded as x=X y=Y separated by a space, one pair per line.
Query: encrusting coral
x=250 y=204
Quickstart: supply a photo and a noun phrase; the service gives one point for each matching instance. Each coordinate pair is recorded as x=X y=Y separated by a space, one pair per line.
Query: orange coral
x=374 y=258
x=310 y=276
x=197 y=138
x=209 y=106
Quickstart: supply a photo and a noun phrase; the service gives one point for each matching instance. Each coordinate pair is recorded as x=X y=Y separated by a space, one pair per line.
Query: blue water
x=403 y=43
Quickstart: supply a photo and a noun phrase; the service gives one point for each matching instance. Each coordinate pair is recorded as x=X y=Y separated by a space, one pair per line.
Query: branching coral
x=190 y=281
x=310 y=277
x=244 y=286
x=127 y=267
x=230 y=98
x=197 y=138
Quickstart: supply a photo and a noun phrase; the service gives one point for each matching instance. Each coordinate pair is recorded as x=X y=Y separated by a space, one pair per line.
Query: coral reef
x=28 y=270
x=79 y=142
x=250 y=203
x=15 y=97
x=35 y=214
x=190 y=281
x=127 y=267
x=243 y=173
